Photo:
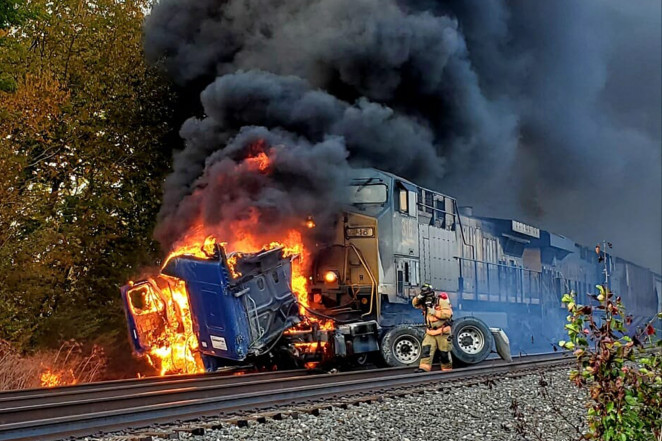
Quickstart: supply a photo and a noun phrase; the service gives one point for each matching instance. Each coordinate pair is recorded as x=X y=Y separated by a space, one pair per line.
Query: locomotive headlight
x=360 y=232
x=330 y=277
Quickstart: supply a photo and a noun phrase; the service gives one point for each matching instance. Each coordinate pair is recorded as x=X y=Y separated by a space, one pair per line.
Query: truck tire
x=401 y=346
x=472 y=340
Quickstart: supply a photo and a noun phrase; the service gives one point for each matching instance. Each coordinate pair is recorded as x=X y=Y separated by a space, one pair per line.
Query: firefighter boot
x=445 y=346
x=446 y=361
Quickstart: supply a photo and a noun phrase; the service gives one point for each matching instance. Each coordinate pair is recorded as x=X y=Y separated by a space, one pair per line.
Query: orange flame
x=310 y=346
x=164 y=321
x=179 y=353
x=260 y=161
x=232 y=263
x=51 y=378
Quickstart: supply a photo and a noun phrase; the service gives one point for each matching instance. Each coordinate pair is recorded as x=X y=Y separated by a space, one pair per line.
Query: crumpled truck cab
x=232 y=318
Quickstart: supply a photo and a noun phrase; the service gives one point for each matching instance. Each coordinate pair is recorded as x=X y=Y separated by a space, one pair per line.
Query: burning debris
x=159 y=308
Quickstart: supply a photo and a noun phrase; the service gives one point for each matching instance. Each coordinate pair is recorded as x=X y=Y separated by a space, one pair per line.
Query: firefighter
x=438 y=314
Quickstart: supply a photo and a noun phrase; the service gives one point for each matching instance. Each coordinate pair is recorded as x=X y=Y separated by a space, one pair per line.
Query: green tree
x=81 y=166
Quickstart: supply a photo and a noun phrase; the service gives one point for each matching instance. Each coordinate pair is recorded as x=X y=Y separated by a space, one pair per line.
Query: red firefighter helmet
x=443 y=295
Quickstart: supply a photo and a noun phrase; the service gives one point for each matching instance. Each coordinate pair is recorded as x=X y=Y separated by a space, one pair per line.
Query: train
x=505 y=279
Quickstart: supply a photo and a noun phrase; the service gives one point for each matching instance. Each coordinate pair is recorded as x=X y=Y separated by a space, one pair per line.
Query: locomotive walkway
x=85 y=409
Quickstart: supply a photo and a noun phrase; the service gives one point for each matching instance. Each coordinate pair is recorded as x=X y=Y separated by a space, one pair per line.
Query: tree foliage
x=81 y=166
x=14 y=13
x=624 y=381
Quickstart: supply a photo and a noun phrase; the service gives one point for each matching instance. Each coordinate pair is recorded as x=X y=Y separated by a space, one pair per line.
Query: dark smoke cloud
x=585 y=80
x=232 y=189
x=309 y=136
x=544 y=111
x=373 y=133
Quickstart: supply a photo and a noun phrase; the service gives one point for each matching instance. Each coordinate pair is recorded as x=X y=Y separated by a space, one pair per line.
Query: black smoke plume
x=544 y=111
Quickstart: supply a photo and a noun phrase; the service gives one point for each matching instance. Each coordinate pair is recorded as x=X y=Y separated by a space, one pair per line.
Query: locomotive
x=504 y=278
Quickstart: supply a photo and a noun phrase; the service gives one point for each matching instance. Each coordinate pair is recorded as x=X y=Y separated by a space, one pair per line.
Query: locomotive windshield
x=367 y=194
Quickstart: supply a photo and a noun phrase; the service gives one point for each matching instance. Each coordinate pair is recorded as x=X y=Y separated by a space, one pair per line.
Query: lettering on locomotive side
x=521 y=227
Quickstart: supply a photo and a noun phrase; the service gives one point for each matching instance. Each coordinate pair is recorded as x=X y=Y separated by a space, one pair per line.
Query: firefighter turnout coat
x=437 y=333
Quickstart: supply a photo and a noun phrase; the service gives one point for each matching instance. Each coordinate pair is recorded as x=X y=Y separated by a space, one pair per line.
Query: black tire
x=472 y=340
x=401 y=346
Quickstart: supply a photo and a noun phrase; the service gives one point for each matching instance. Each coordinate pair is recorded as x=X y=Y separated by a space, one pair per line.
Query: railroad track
x=56 y=413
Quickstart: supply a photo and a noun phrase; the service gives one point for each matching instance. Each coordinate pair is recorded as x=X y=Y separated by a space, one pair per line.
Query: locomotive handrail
x=373 y=283
x=424 y=205
x=528 y=285
x=464 y=240
x=497 y=264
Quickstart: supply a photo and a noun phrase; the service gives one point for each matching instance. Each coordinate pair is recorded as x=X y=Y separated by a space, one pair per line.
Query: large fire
x=176 y=351
x=177 y=348
x=161 y=310
x=179 y=351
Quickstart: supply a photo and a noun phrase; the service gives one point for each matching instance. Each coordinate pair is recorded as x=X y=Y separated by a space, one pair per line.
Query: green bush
x=622 y=374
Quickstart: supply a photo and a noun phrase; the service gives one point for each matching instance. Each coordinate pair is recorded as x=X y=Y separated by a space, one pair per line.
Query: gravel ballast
x=477 y=412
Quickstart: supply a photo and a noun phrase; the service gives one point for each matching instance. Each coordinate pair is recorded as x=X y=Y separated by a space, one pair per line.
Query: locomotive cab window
x=406 y=200
x=403 y=200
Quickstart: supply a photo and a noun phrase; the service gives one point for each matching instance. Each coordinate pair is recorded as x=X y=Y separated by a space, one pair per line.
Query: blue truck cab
x=231 y=318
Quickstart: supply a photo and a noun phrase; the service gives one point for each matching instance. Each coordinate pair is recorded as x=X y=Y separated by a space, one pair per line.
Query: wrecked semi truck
x=206 y=313
x=390 y=239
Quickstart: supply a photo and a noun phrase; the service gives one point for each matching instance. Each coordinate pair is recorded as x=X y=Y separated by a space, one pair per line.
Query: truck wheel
x=401 y=346
x=472 y=340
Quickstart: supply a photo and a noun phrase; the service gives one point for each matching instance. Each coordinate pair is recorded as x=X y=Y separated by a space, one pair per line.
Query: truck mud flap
x=501 y=343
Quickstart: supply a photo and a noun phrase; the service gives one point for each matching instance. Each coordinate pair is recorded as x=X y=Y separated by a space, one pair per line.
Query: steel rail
x=105 y=390
x=21 y=393
x=91 y=400
x=32 y=422
x=97 y=404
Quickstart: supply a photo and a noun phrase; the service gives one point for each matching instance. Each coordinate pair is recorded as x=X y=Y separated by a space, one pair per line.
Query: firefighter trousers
x=432 y=344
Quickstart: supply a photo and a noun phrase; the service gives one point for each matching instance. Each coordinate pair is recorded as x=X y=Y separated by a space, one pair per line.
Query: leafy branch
x=621 y=370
